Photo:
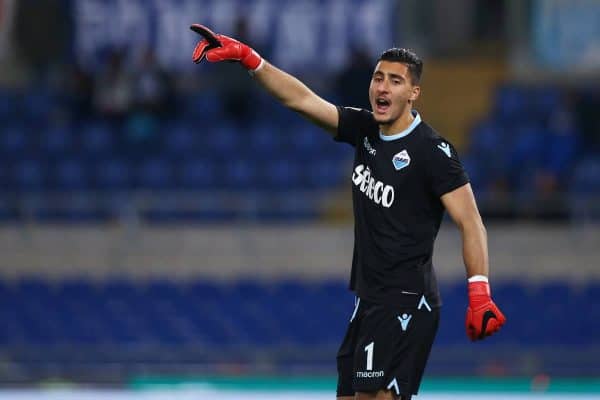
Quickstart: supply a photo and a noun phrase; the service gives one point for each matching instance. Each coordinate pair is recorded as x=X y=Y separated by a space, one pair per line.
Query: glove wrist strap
x=479 y=289
x=252 y=61
x=255 y=70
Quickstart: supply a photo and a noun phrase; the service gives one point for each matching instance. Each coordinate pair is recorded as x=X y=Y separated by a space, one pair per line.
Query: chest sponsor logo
x=368 y=146
x=401 y=160
x=375 y=190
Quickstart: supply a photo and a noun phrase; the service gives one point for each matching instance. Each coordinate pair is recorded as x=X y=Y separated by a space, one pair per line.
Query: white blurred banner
x=294 y=34
x=566 y=34
x=7 y=8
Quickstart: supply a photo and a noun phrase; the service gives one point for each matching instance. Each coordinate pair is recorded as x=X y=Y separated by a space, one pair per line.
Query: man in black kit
x=405 y=175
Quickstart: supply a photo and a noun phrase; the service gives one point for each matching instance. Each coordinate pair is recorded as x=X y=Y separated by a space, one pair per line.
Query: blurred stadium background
x=169 y=227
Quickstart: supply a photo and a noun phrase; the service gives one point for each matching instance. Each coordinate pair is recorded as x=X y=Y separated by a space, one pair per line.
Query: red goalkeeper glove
x=215 y=48
x=483 y=316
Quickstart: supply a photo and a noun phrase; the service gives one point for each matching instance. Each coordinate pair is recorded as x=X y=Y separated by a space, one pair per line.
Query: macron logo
x=404 y=320
x=368 y=146
x=445 y=148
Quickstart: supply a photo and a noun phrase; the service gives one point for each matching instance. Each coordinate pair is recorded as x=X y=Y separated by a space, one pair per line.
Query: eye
x=396 y=82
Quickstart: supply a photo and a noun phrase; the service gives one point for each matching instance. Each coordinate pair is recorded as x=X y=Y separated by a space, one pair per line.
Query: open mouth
x=382 y=105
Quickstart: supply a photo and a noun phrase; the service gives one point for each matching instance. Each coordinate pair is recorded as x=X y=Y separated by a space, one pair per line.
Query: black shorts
x=386 y=348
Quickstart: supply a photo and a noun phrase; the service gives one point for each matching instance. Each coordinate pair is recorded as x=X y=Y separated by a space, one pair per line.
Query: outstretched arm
x=284 y=87
x=295 y=95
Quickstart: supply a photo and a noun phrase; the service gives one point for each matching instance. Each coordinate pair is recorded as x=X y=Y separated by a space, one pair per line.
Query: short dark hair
x=405 y=56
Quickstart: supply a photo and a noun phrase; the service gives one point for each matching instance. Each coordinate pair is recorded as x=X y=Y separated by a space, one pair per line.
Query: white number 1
x=369 y=350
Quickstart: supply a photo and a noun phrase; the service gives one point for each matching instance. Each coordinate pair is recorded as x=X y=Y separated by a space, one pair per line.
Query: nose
x=382 y=86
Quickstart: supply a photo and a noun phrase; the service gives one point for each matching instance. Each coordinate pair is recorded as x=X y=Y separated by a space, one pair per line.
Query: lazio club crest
x=401 y=160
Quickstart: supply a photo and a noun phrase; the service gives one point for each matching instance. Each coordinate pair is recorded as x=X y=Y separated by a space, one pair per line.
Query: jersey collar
x=412 y=126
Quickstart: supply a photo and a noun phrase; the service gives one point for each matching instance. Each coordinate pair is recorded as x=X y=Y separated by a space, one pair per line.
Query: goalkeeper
x=405 y=175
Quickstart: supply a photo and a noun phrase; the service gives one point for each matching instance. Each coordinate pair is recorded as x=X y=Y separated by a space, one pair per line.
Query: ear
x=416 y=91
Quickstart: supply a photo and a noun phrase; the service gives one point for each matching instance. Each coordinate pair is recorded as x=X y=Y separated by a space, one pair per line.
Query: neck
x=398 y=125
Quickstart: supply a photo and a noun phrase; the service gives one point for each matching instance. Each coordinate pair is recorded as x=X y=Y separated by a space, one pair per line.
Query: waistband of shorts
x=404 y=301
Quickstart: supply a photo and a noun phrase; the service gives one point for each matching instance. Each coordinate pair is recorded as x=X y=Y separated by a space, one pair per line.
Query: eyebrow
x=391 y=75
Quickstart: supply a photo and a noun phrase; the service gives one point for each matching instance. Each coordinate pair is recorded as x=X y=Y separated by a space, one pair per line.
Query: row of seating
x=172 y=139
x=530 y=144
x=118 y=174
x=524 y=137
x=281 y=314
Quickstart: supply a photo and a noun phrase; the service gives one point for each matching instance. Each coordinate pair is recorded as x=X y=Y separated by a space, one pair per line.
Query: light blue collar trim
x=413 y=125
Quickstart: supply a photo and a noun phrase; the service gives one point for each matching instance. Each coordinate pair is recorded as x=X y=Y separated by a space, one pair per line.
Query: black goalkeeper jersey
x=397 y=182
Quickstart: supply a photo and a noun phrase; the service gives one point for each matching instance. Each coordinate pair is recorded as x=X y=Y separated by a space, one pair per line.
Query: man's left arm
x=483 y=316
x=460 y=204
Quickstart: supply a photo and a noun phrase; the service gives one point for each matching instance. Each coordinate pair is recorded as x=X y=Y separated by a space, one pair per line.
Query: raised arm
x=295 y=95
x=290 y=91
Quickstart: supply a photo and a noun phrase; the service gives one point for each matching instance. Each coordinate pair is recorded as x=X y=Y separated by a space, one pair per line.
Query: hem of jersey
x=403 y=303
x=406 y=132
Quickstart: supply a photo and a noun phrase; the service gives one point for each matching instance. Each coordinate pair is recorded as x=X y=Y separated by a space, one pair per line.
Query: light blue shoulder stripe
x=413 y=125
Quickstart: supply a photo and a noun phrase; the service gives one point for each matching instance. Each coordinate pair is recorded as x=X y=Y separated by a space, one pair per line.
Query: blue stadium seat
x=57 y=141
x=225 y=141
x=33 y=289
x=201 y=107
x=251 y=291
x=198 y=174
x=202 y=290
x=304 y=141
x=545 y=101
x=586 y=179
x=162 y=290
x=78 y=292
x=37 y=104
x=263 y=141
x=488 y=148
x=113 y=174
x=5 y=178
x=14 y=142
x=478 y=177
x=70 y=174
x=584 y=190
x=181 y=141
x=281 y=175
x=324 y=174
x=118 y=289
x=9 y=208
x=240 y=174
x=29 y=176
x=487 y=137
x=7 y=105
x=156 y=174
x=524 y=155
x=589 y=313
x=97 y=139
x=510 y=102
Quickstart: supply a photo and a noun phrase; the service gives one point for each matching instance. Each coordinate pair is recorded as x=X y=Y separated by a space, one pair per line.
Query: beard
x=386 y=121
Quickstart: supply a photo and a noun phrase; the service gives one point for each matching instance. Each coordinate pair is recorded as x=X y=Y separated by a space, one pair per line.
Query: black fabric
x=396 y=189
x=399 y=352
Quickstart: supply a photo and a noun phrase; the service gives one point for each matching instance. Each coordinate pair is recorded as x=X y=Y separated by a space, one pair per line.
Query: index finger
x=207 y=34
